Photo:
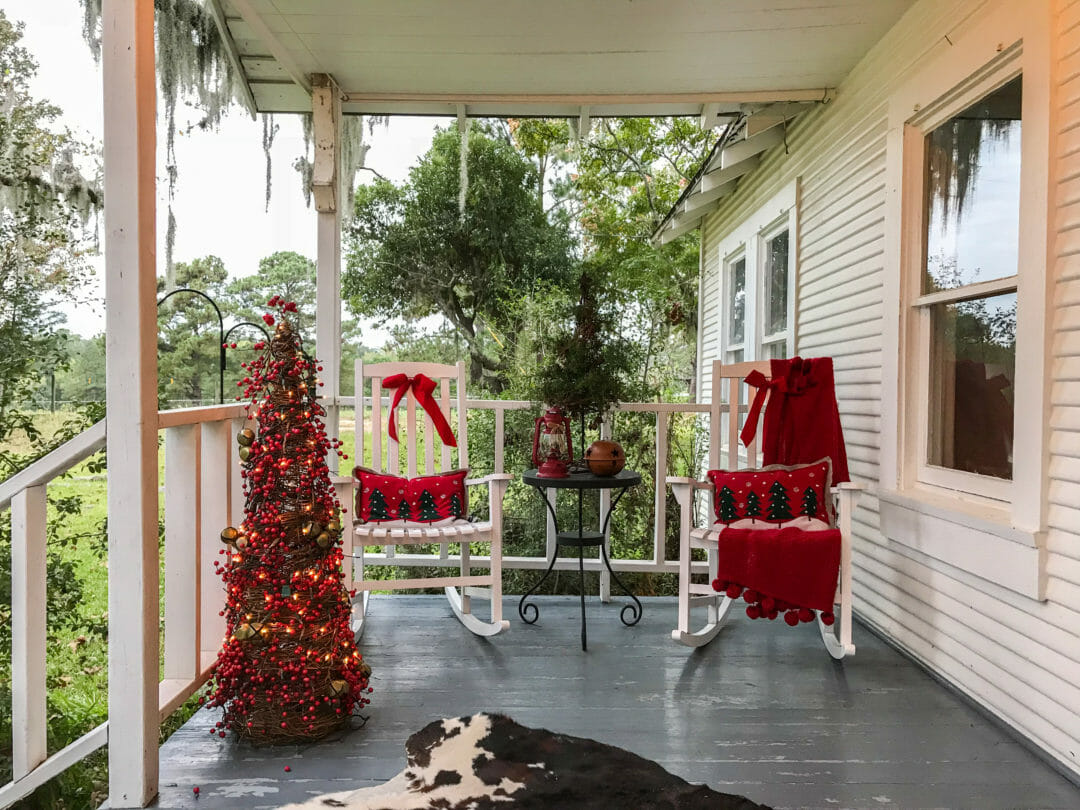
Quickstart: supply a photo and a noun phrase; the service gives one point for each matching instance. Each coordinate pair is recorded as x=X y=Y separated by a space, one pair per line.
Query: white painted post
x=28 y=515
x=327 y=187
x=660 y=527
x=130 y=96
x=605 y=507
x=181 y=558
x=215 y=452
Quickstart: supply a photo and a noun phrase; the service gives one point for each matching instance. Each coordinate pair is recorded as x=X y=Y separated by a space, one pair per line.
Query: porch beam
x=131 y=397
x=730 y=100
x=277 y=49
x=328 y=187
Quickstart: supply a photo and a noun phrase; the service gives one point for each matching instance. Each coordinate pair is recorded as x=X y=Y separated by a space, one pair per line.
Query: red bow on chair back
x=422 y=387
x=763 y=384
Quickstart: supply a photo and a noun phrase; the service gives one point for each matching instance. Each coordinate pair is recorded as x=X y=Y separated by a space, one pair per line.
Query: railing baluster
x=605 y=506
x=214 y=450
x=660 y=523
x=181 y=556
x=28 y=568
x=500 y=438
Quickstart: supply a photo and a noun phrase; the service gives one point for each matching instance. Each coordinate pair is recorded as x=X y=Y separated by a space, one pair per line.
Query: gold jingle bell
x=241 y=542
x=245 y=453
x=229 y=534
x=324 y=540
x=365 y=669
x=338 y=688
x=311 y=528
x=334 y=526
x=245 y=632
x=245 y=437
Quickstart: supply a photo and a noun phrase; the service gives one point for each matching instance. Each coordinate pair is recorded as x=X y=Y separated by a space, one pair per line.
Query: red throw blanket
x=790 y=564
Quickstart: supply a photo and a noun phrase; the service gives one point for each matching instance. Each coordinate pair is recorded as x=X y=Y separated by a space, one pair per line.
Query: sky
x=220 y=198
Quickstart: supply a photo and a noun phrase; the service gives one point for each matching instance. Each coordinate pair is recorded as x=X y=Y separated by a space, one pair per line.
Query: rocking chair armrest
x=341 y=479
x=693 y=483
x=849 y=486
x=488 y=479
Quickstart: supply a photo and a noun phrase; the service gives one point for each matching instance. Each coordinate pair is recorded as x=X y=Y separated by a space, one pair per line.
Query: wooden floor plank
x=762 y=711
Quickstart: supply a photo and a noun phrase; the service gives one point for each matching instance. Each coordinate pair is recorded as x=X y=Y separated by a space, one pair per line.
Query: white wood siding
x=1018 y=657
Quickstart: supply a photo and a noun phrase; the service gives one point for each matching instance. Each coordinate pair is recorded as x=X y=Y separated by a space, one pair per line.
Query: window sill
x=978 y=539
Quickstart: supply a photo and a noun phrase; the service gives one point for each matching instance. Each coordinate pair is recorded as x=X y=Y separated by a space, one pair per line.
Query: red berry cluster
x=289 y=668
x=763 y=606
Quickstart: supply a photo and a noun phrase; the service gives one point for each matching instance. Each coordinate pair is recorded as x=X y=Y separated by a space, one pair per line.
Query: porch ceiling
x=554 y=58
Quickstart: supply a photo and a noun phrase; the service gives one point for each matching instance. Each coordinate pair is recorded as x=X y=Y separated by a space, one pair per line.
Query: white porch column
x=131 y=395
x=328 y=191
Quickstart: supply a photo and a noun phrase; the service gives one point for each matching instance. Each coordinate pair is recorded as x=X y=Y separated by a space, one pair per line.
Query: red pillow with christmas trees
x=775 y=496
x=384 y=498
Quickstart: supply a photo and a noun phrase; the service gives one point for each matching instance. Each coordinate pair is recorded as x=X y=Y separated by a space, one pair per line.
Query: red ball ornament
x=752 y=596
x=733 y=591
x=806 y=615
x=753 y=611
x=827 y=618
x=791 y=617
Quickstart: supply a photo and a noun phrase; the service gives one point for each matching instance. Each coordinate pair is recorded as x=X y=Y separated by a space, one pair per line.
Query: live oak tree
x=412 y=253
x=46 y=201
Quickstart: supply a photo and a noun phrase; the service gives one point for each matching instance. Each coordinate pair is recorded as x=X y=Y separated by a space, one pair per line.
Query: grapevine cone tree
x=289 y=669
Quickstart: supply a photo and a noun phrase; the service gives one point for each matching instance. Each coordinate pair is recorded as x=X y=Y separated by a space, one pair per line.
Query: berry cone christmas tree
x=289 y=669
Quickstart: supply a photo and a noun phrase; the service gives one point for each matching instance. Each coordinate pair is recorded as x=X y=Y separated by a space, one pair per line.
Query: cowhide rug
x=488 y=761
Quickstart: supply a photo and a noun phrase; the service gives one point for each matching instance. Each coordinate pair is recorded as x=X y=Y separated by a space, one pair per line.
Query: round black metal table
x=581 y=538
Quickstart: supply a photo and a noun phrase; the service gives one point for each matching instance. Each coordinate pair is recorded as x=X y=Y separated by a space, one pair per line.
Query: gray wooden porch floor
x=763 y=711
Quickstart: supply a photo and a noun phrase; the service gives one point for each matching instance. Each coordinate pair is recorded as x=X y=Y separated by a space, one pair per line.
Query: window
x=966 y=309
x=735 y=296
x=757 y=272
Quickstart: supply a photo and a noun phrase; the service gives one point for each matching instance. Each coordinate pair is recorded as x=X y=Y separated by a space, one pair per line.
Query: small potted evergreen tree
x=589 y=368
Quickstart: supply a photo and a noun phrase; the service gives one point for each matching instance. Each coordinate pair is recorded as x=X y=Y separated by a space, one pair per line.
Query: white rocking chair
x=462 y=587
x=837 y=638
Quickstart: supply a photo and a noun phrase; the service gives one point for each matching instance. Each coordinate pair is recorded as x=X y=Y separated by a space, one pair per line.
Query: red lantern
x=552 y=449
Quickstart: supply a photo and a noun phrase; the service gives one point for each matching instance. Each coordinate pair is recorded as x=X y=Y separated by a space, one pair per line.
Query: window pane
x=774 y=351
x=737 y=302
x=776 y=278
x=972 y=370
x=736 y=356
x=973 y=193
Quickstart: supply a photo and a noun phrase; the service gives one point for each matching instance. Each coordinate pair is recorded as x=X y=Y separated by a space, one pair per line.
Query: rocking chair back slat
x=414 y=422
x=444 y=404
x=738 y=396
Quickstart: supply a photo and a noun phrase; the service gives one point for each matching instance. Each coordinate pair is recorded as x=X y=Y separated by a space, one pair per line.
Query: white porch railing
x=202 y=495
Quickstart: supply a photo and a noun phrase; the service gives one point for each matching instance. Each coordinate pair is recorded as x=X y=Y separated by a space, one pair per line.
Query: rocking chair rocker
x=837 y=638
x=462 y=587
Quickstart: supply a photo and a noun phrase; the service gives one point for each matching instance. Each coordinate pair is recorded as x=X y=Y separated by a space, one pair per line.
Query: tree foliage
x=284 y=273
x=188 y=343
x=411 y=254
x=45 y=200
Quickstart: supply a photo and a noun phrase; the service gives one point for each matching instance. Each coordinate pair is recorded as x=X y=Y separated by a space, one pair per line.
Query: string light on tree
x=289 y=670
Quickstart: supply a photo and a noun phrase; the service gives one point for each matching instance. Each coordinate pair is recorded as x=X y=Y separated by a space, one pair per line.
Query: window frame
x=727 y=272
x=1005 y=41
x=920 y=305
x=748 y=241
